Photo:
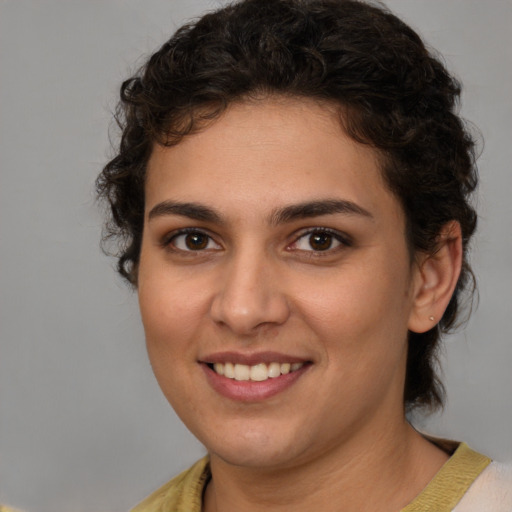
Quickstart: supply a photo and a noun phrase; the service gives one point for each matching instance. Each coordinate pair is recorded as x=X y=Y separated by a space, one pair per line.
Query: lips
x=256 y=373
x=253 y=377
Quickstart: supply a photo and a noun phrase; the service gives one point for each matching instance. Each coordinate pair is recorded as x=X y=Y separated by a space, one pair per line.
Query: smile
x=257 y=373
x=255 y=377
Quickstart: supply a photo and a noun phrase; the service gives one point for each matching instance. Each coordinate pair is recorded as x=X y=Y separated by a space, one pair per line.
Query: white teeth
x=274 y=370
x=229 y=370
x=285 y=368
x=257 y=373
x=242 y=372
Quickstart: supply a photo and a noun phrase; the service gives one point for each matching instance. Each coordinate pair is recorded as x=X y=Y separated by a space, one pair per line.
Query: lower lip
x=248 y=390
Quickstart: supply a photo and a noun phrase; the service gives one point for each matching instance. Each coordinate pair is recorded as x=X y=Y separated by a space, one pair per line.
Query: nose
x=249 y=296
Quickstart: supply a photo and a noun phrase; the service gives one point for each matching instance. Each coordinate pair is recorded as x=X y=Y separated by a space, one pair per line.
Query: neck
x=384 y=473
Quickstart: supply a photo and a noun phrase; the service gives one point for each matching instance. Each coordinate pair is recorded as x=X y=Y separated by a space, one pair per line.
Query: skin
x=336 y=437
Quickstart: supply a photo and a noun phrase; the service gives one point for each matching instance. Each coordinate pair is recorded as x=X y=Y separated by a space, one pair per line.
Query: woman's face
x=274 y=252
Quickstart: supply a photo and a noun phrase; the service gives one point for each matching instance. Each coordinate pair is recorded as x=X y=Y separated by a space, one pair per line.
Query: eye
x=319 y=240
x=193 y=240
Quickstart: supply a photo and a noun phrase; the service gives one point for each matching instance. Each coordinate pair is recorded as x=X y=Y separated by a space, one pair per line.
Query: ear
x=436 y=276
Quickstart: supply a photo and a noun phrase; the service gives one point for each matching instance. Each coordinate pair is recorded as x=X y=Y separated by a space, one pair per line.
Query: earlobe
x=436 y=278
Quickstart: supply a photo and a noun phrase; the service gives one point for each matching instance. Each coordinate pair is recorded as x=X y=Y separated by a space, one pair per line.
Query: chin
x=254 y=448
x=254 y=457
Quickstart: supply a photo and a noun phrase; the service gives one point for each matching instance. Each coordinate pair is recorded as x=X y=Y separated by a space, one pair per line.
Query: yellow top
x=451 y=482
x=184 y=493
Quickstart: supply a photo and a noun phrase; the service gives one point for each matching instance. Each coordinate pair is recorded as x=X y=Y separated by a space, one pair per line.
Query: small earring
x=431 y=318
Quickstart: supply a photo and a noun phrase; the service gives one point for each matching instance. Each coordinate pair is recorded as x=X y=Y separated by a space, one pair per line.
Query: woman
x=292 y=190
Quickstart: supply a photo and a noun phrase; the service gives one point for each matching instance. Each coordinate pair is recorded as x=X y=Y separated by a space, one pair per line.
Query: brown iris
x=196 y=241
x=320 y=241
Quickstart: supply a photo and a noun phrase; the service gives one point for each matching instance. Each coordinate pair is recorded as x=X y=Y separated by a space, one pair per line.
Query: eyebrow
x=311 y=209
x=283 y=215
x=191 y=210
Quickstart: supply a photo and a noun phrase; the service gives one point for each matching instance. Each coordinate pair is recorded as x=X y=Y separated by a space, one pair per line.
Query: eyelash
x=168 y=241
x=342 y=239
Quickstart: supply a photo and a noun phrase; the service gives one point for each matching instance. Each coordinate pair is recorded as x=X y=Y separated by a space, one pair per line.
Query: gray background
x=83 y=425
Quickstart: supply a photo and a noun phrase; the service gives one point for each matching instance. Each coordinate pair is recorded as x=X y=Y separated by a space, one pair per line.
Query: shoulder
x=452 y=481
x=182 y=494
x=492 y=491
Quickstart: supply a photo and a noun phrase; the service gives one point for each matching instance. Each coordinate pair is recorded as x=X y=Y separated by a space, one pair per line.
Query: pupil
x=320 y=241
x=196 y=241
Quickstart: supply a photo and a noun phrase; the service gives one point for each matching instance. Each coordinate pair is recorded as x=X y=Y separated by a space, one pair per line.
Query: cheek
x=171 y=316
x=356 y=298
x=170 y=303
x=358 y=314
x=362 y=328
x=167 y=331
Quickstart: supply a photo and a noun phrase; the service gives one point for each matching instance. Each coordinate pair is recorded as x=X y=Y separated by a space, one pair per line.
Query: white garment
x=490 y=492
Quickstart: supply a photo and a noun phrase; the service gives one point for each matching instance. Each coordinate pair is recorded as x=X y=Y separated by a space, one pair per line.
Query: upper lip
x=251 y=359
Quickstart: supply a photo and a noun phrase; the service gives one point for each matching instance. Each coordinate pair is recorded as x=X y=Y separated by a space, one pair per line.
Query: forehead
x=262 y=153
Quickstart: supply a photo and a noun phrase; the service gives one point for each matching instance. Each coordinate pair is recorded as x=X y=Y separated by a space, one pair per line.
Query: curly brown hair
x=393 y=95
